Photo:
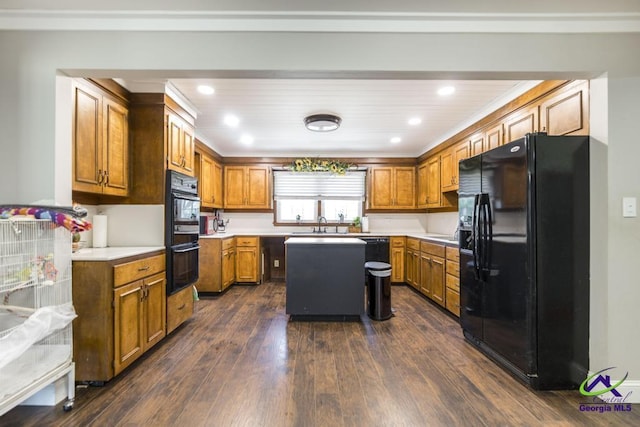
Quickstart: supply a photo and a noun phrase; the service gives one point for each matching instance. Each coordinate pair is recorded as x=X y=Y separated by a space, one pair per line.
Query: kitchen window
x=302 y=197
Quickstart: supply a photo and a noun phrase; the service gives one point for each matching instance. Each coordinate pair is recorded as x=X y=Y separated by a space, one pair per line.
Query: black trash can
x=379 y=292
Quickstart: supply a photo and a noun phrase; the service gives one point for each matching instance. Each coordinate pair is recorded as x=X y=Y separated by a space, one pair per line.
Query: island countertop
x=325 y=241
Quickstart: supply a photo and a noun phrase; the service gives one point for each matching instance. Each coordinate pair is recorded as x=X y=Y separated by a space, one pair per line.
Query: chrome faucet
x=320 y=218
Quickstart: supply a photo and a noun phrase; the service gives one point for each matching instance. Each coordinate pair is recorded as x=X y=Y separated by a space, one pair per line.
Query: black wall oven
x=182 y=216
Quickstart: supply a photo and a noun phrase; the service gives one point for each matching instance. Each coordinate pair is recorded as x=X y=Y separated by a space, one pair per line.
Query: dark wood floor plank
x=240 y=362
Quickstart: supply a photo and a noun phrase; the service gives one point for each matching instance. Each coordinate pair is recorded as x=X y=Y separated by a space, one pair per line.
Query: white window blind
x=318 y=185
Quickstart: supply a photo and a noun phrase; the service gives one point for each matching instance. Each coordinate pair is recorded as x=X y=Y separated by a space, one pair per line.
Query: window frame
x=319 y=201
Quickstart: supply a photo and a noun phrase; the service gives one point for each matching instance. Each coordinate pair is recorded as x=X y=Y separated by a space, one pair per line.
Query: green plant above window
x=320 y=165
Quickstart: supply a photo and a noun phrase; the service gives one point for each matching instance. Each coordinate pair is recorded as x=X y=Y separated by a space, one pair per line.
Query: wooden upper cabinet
x=493 y=137
x=566 y=112
x=209 y=174
x=100 y=142
x=434 y=194
x=247 y=187
x=521 y=123
x=116 y=148
x=87 y=139
x=392 y=187
x=380 y=189
x=423 y=176
x=216 y=172
x=449 y=160
x=258 y=194
x=446 y=170
x=180 y=145
x=476 y=145
x=161 y=138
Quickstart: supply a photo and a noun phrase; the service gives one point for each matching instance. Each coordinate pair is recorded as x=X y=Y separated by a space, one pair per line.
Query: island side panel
x=325 y=279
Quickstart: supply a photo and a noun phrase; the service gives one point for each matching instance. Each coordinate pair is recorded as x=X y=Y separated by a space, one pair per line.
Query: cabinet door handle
x=100 y=177
x=106 y=178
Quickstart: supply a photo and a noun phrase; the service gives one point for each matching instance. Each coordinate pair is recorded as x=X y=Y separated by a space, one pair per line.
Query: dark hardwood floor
x=240 y=362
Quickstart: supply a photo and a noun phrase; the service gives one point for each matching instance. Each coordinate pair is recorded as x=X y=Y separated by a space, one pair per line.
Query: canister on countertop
x=99 y=231
x=364 y=221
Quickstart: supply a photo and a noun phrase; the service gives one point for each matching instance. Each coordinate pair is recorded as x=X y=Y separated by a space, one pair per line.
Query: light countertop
x=324 y=241
x=109 y=254
x=440 y=238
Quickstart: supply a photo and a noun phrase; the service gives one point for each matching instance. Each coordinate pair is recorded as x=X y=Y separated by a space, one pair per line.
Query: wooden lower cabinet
x=217 y=264
x=228 y=262
x=179 y=308
x=397 y=259
x=139 y=316
x=121 y=307
x=413 y=263
x=247 y=259
x=432 y=271
x=452 y=291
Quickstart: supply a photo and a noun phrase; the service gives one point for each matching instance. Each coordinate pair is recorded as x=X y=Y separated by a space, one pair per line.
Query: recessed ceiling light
x=446 y=90
x=414 y=121
x=206 y=90
x=396 y=140
x=246 y=139
x=231 y=120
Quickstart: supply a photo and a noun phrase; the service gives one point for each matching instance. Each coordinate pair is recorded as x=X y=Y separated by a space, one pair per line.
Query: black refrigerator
x=524 y=257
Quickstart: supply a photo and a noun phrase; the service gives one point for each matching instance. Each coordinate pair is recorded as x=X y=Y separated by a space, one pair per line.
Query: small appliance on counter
x=220 y=223
x=208 y=225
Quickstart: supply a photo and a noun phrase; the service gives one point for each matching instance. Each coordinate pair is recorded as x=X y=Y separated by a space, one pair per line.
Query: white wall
x=31 y=59
x=599 y=245
x=623 y=282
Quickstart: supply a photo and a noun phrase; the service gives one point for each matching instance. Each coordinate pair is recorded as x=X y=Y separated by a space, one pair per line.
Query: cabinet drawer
x=413 y=244
x=246 y=241
x=432 y=248
x=136 y=270
x=453 y=268
x=397 y=242
x=453 y=283
x=453 y=253
x=228 y=243
x=179 y=308
x=453 y=302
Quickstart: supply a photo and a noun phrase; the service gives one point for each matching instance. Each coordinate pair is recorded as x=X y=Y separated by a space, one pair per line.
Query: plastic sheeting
x=42 y=323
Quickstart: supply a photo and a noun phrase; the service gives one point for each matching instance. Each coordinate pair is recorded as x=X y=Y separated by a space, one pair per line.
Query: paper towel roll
x=364 y=221
x=99 y=231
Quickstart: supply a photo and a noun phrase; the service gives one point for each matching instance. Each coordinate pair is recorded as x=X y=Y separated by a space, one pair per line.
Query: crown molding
x=320 y=21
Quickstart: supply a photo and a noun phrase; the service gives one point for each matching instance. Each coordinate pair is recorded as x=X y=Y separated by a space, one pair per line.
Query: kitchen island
x=325 y=278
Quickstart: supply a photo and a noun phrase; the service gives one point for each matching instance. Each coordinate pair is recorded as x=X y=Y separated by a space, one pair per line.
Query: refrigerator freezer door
x=508 y=298
x=470 y=285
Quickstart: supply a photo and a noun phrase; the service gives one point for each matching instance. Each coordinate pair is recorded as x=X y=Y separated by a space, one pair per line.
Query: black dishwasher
x=377 y=249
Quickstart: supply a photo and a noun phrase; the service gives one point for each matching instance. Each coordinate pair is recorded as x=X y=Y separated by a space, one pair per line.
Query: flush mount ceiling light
x=322 y=122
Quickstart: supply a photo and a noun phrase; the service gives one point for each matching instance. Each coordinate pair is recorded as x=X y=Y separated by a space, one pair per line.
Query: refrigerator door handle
x=475 y=237
x=487 y=235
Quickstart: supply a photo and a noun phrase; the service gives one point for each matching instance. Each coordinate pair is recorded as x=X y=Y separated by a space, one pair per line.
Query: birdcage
x=36 y=309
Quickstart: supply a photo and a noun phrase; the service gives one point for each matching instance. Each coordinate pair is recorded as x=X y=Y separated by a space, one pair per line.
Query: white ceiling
x=372 y=112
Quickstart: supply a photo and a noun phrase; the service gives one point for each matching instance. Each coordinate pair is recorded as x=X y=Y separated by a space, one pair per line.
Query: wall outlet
x=276 y=263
